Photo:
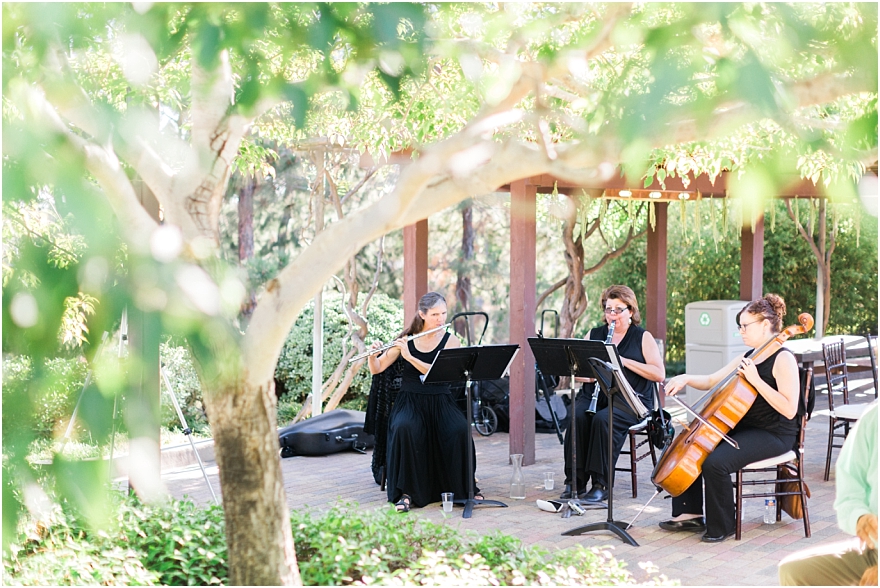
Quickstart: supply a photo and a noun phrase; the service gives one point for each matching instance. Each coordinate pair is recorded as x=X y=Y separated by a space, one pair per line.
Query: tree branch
x=101 y=162
x=72 y=103
x=803 y=232
x=822 y=89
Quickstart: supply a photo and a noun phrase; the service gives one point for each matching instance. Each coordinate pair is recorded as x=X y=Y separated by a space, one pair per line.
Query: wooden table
x=808 y=351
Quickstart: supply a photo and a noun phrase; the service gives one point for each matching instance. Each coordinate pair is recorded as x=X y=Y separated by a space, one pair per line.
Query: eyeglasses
x=743 y=326
x=613 y=311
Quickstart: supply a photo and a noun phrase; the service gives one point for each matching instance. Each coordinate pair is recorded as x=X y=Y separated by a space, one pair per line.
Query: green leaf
x=85 y=484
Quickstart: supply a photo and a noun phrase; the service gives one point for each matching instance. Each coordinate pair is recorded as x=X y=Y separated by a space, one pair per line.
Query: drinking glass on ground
x=548 y=480
x=447 y=501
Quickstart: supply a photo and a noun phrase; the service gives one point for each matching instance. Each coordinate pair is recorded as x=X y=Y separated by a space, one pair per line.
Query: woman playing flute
x=427 y=433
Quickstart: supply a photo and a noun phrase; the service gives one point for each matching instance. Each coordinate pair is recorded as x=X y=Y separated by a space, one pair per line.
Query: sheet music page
x=623 y=384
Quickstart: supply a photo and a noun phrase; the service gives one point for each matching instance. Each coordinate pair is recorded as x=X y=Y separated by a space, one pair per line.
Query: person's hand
x=866 y=530
x=869 y=578
x=404 y=348
x=749 y=371
x=675 y=384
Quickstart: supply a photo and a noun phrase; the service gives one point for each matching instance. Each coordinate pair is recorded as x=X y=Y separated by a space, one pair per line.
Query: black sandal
x=403 y=504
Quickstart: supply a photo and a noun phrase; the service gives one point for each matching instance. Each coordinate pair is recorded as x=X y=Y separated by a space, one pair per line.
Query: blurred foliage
x=55 y=399
x=180 y=544
x=294 y=368
x=177 y=361
x=176 y=544
x=350 y=546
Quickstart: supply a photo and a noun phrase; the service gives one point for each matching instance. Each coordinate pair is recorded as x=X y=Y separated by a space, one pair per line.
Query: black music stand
x=470 y=364
x=591 y=359
x=566 y=357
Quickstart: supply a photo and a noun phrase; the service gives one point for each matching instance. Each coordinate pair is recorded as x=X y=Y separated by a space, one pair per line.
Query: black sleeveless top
x=761 y=415
x=411 y=381
x=630 y=347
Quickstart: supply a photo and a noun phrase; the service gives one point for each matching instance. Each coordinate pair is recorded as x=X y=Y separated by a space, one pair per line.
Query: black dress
x=427 y=438
x=592 y=429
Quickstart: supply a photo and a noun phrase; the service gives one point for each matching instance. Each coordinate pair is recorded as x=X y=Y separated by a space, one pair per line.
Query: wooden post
x=655 y=295
x=522 y=319
x=751 y=272
x=415 y=267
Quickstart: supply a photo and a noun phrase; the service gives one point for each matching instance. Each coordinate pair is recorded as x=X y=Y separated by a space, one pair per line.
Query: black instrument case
x=331 y=432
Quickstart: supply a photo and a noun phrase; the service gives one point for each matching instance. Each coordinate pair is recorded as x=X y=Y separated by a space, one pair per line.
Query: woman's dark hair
x=770 y=307
x=625 y=294
x=426 y=303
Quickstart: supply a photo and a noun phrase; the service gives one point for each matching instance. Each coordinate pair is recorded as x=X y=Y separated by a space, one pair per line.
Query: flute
x=390 y=345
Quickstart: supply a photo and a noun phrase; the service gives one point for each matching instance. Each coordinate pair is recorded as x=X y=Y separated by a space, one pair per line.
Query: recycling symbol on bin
x=704 y=319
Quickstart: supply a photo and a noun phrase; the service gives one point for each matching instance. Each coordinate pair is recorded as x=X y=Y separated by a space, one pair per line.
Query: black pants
x=592 y=436
x=754 y=445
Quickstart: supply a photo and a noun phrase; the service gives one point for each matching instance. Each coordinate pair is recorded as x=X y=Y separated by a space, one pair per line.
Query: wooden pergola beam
x=670 y=190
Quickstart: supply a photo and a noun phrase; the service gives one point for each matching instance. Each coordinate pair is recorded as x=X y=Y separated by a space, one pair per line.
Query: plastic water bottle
x=769 y=511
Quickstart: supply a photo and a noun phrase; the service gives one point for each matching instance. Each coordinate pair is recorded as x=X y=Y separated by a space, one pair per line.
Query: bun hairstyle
x=426 y=303
x=770 y=307
x=624 y=294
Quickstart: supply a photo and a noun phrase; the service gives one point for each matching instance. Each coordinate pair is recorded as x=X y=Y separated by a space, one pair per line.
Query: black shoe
x=566 y=495
x=597 y=493
x=707 y=539
x=697 y=524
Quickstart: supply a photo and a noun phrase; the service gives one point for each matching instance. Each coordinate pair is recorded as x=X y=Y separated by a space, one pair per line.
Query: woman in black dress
x=642 y=368
x=768 y=429
x=427 y=433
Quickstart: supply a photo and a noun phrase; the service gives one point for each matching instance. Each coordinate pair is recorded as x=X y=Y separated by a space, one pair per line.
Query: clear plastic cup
x=548 y=481
x=447 y=501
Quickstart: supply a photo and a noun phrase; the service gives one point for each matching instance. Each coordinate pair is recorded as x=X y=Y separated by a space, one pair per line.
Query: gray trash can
x=711 y=338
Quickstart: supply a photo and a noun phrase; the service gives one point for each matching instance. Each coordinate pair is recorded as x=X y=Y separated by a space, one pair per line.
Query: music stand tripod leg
x=469 y=503
x=566 y=510
x=609 y=524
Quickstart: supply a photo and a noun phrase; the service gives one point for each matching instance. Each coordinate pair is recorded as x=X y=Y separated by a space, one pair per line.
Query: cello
x=728 y=402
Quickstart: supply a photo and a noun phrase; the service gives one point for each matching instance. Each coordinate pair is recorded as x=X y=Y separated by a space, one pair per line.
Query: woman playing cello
x=769 y=428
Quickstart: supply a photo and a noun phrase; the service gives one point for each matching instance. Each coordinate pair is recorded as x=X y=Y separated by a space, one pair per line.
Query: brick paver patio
x=320 y=482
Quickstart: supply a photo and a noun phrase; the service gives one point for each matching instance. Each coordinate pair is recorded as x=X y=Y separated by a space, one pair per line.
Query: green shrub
x=294 y=369
x=181 y=544
x=349 y=546
x=174 y=544
x=81 y=563
x=53 y=404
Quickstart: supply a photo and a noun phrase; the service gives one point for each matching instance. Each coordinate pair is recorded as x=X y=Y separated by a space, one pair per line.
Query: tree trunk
x=822 y=247
x=246 y=235
x=260 y=549
x=574 y=300
x=463 y=283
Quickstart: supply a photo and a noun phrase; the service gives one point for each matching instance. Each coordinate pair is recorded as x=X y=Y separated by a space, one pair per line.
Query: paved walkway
x=320 y=482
